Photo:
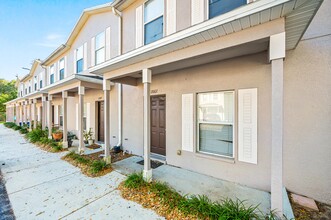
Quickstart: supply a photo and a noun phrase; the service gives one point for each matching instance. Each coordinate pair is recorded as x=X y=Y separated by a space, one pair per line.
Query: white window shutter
x=93 y=51
x=75 y=61
x=107 y=44
x=187 y=122
x=171 y=17
x=88 y=116
x=56 y=114
x=77 y=116
x=247 y=125
x=65 y=66
x=197 y=11
x=85 y=56
x=139 y=26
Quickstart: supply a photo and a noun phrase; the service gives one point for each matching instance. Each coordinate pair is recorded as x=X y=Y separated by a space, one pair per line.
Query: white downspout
x=120 y=105
x=120 y=90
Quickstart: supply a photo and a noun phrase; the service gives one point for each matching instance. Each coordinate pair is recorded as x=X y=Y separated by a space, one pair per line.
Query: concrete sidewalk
x=42 y=186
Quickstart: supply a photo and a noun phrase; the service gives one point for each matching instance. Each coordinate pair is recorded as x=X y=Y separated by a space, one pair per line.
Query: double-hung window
x=79 y=59
x=35 y=83
x=51 y=75
x=153 y=20
x=218 y=7
x=215 y=123
x=100 y=48
x=61 y=71
x=40 y=80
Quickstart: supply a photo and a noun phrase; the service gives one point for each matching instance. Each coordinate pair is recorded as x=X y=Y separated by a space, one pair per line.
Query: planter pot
x=57 y=136
x=90 y=142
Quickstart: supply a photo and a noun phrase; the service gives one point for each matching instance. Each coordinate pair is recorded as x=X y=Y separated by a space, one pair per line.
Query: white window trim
x=62 y=59
x=144 y=23
x=234 y=126
x=96 y=50
x=207 y=7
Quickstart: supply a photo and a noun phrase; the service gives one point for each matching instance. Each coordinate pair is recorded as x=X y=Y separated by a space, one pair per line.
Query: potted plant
x=57 y=135
x=90 y=137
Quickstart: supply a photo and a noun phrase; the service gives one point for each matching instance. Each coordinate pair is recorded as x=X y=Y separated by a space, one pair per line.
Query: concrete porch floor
x=188 y=183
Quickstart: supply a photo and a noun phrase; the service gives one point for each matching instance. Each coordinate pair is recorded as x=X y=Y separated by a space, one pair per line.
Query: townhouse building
x=238 y=90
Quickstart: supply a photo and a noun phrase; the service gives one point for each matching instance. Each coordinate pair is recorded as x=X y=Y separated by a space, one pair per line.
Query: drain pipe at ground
x=120 y=90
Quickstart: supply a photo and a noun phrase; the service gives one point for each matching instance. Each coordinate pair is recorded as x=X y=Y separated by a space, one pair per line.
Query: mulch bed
x=96 y=156
x=114 y=157
x=150 y=200
x=49 y=148
x=302 y=213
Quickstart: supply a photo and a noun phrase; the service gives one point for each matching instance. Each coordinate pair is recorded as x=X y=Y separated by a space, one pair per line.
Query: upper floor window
x=79 y=59
x=218 y=7
x=61 y=71
x=35 y=83
x=26 y=91
x=29 y=89
x=153 y=20
x=40 y=84
x=51 y=75
x=100 y=48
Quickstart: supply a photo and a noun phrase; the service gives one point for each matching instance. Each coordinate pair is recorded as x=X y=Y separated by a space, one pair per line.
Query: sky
x=33 y=29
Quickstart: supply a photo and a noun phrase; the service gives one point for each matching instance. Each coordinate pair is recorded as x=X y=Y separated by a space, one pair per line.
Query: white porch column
x=43 y=113
x=30 y=114
x=24 y=111
x=147 y=79
x=276 y=56
x=81 y=93
x=106 y=106
x=65 y=116
x=35 y=114
x=17 y=113
x=49 y=116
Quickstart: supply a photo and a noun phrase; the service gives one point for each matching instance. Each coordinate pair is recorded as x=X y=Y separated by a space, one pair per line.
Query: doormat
x=154 y=164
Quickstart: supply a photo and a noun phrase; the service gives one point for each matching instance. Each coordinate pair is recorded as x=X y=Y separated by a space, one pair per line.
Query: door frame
x=97 y=106
x=155 y=96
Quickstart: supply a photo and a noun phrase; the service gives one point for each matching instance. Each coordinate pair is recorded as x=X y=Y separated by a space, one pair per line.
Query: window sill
x=215 y=157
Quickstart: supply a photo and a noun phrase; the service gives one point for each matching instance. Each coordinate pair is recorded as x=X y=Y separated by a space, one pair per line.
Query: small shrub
x=45 y=140
x=24 y=131
x=98 y=166
x=135 y=180
x=36 y=135
x=16 y=127
x=9 y=124
x=78 y=158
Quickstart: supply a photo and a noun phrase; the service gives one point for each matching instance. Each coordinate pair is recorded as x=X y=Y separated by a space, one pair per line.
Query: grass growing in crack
x=198 y=206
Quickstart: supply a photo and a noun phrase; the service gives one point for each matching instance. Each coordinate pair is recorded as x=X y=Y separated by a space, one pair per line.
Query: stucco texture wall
x=307 y=111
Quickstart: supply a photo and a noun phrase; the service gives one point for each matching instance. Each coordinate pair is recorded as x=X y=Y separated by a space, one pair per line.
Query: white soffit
x=298 y=15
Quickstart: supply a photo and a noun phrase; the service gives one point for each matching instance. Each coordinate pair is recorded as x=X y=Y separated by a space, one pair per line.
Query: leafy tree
x=8 y=92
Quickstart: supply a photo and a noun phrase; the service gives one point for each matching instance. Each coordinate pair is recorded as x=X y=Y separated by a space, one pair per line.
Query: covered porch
x=75 y=107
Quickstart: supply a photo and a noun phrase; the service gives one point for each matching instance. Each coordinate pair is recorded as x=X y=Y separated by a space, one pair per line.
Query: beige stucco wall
x=246 y=72
x=307 y=111
x=95 y=24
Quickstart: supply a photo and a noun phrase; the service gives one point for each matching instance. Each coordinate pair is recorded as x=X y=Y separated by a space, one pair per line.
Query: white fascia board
x=209 y=24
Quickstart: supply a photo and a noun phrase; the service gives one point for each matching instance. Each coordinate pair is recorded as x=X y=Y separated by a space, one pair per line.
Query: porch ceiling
x=297 y=13
x=72 y=82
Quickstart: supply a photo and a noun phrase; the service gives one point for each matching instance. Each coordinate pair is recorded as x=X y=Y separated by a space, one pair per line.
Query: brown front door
x=101 y=124
x=158 y=125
